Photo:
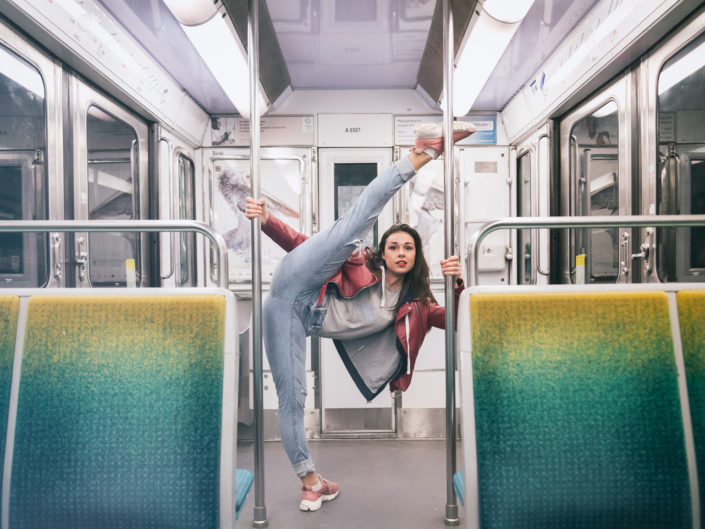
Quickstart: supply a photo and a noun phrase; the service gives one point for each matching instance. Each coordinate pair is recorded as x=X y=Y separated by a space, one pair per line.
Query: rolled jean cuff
x=304 y=467
x=406 y=170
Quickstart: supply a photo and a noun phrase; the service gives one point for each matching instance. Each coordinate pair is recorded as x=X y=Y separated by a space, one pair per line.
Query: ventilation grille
x=430 y=76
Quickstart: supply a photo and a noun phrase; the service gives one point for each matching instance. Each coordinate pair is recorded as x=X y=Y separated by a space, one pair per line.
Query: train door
x=532 y=193
x=31 y=162
x=110 y=182
x=595 y=179
x=674 y=153
x=177 y=201
x=343 y=175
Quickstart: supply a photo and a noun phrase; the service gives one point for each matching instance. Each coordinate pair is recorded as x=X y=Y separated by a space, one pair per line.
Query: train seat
x=571 y=410
x=691 y=315
x=9 y=310
x=126 y=414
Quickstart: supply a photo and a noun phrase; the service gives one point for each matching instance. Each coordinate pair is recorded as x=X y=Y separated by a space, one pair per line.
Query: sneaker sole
x=310 y=506
x=435 y=130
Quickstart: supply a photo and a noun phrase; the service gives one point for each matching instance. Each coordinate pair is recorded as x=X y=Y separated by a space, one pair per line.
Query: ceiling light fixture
x=483 y=46
x=220 y=48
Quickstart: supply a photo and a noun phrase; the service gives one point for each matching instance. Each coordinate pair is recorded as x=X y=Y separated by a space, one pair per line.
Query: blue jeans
x=290 y=312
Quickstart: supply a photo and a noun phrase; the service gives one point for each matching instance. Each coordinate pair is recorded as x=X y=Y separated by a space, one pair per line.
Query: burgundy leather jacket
x=354 y=275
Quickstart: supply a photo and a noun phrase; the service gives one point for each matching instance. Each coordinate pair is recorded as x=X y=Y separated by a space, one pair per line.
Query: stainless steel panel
x=589 y=154
x=85 y=101
x=671 y=150
x=32 y=151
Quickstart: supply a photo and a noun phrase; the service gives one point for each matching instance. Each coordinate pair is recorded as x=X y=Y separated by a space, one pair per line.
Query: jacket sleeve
x=282 y=234
x=437 y=314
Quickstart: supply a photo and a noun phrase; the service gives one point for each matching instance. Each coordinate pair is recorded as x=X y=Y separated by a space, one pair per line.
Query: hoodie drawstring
x=383 y=303
x=408 y=344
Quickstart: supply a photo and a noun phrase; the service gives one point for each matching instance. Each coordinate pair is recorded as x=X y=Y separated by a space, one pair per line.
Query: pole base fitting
x=260 y=521
x=451 y=518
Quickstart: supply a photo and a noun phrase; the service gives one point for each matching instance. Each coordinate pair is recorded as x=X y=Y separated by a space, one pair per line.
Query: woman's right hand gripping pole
x=256 y=208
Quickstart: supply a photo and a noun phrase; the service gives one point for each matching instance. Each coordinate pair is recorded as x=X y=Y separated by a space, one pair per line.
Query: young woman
x=377 y=306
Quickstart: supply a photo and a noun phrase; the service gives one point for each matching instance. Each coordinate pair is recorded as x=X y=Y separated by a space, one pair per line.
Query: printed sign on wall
x=486 y=126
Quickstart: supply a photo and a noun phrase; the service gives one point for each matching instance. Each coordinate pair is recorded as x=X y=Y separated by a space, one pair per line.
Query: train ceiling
x=343 y=44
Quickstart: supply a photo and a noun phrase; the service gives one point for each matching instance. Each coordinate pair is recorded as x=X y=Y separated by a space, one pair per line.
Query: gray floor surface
x=387 y=484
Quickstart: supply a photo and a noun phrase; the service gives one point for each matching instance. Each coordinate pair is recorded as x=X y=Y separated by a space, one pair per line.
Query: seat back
x=9 y=310
x=577 y=411
x=119 y=414
x=691 y=315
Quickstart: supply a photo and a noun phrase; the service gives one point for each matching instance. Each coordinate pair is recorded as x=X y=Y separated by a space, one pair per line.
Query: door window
x=187 y=211
x=23 y=175
x=112 y=195
x=680 y=185
x=281 y=186
x=524 y=198
x=350 y=180
x=595 y=144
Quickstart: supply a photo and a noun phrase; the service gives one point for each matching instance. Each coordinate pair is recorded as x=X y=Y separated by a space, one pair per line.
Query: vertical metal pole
x=260 y=512
x=451 y=516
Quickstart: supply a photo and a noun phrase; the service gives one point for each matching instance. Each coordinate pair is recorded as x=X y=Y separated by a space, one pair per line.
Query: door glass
x=524 y=207
x=697 y=207
x=23 y=176
x=680 y=181
x=350 y=180
x=112 y=195
x=425 y=212
x=187 y=211
x=281 y=182
x=596 y=191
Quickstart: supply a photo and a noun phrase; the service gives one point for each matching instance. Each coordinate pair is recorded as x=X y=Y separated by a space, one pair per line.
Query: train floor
x=388 y=484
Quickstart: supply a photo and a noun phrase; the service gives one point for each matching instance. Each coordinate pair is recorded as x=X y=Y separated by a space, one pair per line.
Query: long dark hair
x=417 y=280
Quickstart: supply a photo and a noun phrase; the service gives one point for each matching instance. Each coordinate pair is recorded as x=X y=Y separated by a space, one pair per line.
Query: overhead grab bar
x=602 y=221
x=20 y=226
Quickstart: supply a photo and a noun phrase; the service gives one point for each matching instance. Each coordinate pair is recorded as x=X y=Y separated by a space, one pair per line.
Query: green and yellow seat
x=119 y=417
x=691 y=315
x=576 y=411
x=9 y=310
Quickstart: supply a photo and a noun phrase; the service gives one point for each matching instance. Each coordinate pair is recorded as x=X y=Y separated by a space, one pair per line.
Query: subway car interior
x=135 y=389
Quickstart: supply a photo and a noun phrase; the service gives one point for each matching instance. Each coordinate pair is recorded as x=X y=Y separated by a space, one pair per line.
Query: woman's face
x=399 y=253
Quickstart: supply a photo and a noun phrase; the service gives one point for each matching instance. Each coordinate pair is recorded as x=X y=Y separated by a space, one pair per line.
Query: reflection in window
x=187 y=211
x=23 y=176
x=524 y=206
x=112 y=162
x=680 y=184
x=596 y=185
x=697 y=207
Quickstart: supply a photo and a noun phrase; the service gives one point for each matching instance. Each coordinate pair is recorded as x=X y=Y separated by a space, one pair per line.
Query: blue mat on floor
x=243 y=484
x=459 y=487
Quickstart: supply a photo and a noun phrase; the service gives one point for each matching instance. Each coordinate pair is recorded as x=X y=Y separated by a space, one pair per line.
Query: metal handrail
x=604 y=221
x=451 y=512
x=103 y=226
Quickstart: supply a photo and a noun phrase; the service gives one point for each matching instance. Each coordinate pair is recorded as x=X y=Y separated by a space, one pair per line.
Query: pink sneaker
x=429 y=136
x=311 y=500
